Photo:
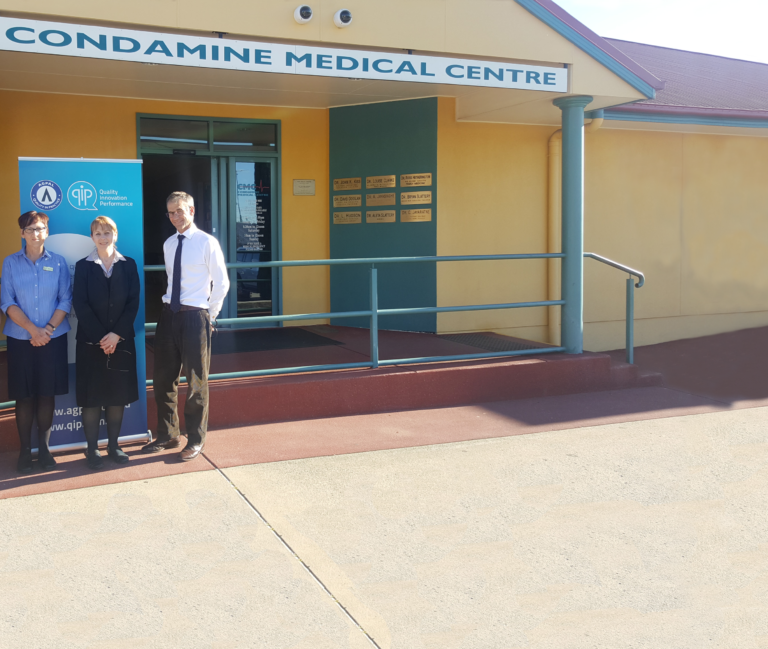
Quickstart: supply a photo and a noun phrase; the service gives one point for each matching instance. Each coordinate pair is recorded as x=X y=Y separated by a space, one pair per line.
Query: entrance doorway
x=231 y=168
x=182 y=173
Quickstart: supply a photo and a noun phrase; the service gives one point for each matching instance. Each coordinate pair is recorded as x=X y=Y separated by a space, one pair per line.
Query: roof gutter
x=656 y=113
x=598 y=48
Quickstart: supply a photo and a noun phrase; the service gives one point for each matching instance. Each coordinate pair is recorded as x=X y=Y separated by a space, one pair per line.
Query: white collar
x=94 y=257
x=188 y=232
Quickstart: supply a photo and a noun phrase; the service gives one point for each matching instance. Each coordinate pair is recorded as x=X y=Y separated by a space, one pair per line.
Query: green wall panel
x=385 y=139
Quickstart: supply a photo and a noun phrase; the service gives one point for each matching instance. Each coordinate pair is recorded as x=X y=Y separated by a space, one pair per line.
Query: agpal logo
x=82 y=195
x=46 y=195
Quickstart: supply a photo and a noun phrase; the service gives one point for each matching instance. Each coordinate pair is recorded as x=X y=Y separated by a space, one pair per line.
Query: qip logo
x=82 y=195
x=46 y=195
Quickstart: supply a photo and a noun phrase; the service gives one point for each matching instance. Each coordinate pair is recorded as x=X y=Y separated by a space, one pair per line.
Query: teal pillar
x=572 y=320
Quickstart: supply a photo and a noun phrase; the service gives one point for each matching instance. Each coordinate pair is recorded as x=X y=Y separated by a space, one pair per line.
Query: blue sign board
x=73 y=193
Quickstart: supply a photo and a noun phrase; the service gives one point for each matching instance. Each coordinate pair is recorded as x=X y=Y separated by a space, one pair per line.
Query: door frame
x=276 y=235
x=220 y=199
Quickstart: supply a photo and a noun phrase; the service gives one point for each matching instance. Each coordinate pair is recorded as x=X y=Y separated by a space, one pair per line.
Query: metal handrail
x=375 y=312
x=630 y=317
x=640 y=276
x=377 y=260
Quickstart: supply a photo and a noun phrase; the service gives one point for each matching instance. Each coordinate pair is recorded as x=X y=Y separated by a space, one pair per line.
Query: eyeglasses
x=35 y=230
x=170 y=215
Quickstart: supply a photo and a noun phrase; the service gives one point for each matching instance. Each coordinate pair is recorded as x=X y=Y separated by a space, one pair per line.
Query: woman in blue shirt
x=36 y=295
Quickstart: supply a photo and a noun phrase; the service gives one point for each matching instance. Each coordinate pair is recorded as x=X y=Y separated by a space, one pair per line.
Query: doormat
x=491 y=342
x=239 y=341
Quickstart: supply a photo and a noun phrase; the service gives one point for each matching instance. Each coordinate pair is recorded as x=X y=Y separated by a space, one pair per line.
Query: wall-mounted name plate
x=380 y=182
x=342 y=218
x=346 y=184
x=303 y=187
x=380 y=199
x=380 y=216
x=416 y=180
x=348 y=200
x=416 y=216
x=415 y=198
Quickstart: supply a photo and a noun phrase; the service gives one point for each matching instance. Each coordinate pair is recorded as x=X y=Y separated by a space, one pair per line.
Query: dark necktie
x=176 y=285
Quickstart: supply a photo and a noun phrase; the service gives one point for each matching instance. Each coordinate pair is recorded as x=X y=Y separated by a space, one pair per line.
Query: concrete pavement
x=631 y=534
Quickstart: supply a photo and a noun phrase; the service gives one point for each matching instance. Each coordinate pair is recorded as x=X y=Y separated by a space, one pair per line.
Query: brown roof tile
x=700 y=83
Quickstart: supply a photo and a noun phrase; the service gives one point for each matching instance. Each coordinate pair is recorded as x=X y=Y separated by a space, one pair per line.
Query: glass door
x=253 y=237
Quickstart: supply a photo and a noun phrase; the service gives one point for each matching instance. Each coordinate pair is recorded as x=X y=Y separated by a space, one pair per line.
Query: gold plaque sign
x=348 y=200
x=415 y=198
x=380 y=216
x=345 y=184
x=379 y=182
x=416 y=216
x=341 y=218
x=416 y=180
x=380 y=199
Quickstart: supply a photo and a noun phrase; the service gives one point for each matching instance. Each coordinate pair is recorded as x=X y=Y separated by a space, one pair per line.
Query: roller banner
x=73 y=192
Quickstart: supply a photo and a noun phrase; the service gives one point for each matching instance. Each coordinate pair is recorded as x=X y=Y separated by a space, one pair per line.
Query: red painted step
x=242 y=402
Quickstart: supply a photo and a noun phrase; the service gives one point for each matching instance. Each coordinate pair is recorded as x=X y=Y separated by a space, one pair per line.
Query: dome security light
x=303 y=14
x=342 y=18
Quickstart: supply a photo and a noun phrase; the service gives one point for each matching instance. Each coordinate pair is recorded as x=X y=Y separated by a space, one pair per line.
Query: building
x=450 y=115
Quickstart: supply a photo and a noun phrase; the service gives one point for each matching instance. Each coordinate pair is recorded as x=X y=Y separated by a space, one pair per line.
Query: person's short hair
x=180 y=197
x=104 y=221
x=28 y=218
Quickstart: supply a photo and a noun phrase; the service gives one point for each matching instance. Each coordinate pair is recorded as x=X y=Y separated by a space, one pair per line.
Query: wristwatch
x=51 y=326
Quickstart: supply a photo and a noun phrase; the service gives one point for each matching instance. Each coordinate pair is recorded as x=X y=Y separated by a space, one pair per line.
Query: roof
x=699 y=84
x=599 y=48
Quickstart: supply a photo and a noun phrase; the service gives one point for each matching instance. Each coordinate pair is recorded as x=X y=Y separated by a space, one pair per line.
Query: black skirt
x=37 y=371
x=106 y=380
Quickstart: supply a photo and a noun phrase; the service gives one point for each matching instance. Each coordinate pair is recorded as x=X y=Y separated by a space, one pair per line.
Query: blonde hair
x=104 y=221
x=180 y=197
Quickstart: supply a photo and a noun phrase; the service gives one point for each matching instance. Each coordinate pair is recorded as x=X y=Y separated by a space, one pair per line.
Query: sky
x=732 y=28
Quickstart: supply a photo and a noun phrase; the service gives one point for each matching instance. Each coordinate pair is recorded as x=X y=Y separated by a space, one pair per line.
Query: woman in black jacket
x=106 y=301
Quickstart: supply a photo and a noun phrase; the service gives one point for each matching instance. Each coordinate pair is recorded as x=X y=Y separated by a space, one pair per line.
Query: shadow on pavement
x=729 y=367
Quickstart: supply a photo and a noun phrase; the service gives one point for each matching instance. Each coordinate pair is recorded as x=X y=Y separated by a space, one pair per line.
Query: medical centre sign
x=41 y=37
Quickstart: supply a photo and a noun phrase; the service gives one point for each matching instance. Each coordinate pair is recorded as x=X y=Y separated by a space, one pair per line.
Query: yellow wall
x=492 y=199
x=66 y=126
x=691 y=211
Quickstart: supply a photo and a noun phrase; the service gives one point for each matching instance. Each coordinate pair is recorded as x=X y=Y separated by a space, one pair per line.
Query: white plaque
x=303 y=187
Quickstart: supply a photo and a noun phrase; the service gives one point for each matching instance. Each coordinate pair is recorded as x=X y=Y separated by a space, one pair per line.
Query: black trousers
x=182 y=339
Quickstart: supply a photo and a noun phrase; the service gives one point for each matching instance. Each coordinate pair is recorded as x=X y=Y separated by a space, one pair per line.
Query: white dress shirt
x=202 y=265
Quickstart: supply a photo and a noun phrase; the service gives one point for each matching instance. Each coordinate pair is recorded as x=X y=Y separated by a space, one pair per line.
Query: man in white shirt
x=197 y=285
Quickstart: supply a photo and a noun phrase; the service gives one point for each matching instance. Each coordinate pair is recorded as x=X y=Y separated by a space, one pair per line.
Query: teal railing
x=374 y=312
x=631 y=285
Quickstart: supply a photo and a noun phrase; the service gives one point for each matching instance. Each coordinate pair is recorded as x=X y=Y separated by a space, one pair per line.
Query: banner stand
x=73 y=192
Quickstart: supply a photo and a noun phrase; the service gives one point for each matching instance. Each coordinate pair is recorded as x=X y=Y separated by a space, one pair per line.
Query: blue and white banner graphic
x=89 y=41
x=73 y=193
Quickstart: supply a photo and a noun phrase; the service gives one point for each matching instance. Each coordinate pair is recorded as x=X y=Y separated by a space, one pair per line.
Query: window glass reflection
x=169 y=134
x=244 y=137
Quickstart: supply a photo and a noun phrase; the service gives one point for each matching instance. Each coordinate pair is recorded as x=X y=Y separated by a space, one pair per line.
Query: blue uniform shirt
x=38 y=289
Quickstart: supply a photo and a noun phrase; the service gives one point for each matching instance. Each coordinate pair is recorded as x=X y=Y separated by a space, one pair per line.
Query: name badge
x=47 y=268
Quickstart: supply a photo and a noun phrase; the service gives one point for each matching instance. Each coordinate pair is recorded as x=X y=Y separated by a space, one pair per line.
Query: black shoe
x=24 y=465
x=46 y=461
x=94 y=459
x=161 y=445
x=117 y=455
x=190 y=452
